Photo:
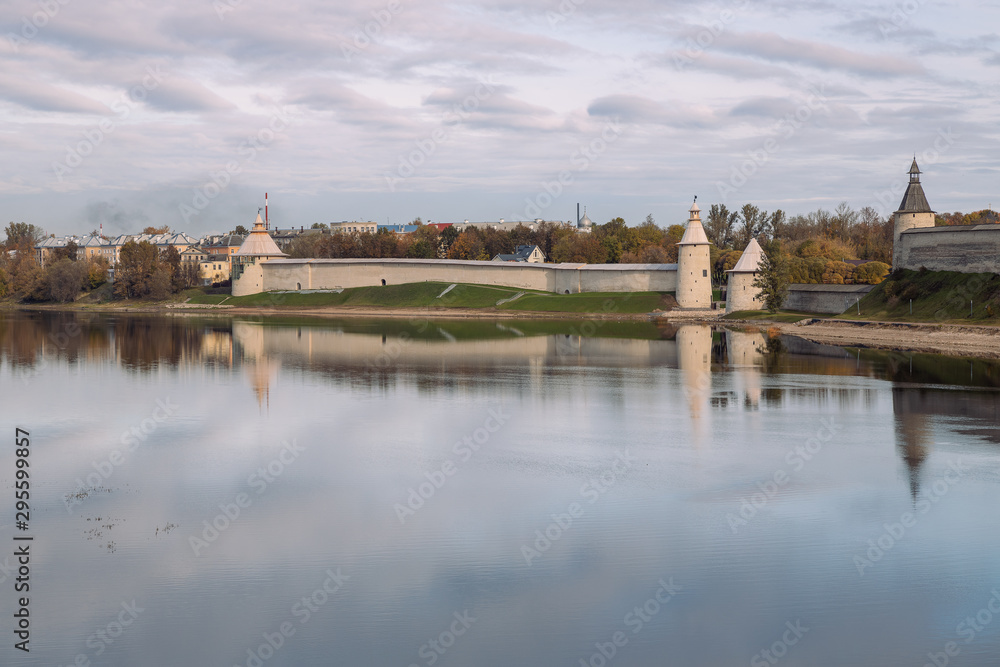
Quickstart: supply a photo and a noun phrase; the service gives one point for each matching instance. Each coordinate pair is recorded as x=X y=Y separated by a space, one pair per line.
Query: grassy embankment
x=429 y=295
x=939 y=297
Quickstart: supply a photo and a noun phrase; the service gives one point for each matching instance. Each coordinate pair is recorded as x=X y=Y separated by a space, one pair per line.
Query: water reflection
x=709 y=415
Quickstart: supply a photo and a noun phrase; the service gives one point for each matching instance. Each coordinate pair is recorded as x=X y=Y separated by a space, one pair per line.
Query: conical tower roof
x=914 y=200
x=750 y=259
x=259 y=243
x=695 y=233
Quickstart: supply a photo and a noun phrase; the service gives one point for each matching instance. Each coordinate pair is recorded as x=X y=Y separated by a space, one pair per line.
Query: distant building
x=508 y=225
x=399 y=229
x=211 y=268
x=284 y=237
x=46 y=248
x=214 y=269
x=524 y=253
x=225 y=245
x=354 y=227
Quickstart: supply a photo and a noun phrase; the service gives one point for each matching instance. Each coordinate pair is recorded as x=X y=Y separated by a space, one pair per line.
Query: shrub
x=871 y=273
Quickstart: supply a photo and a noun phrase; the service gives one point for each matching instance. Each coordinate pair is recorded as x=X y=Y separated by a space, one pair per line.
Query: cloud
x=41 y=96
x=186 y=95
x=775 y=48
x=771 y=107
x=642 y=110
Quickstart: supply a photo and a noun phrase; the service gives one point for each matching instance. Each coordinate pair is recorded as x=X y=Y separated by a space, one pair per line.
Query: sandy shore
x=950 y=339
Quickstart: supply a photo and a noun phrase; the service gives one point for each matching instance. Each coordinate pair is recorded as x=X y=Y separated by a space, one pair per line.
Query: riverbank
x=949 y=339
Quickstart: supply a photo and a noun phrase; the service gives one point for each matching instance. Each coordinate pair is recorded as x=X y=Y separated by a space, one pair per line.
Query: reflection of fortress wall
x=295 y=274
x=367 y=350
x=977 y=405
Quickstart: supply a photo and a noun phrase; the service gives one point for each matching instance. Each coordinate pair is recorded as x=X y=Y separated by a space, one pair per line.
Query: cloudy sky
x=130 y=112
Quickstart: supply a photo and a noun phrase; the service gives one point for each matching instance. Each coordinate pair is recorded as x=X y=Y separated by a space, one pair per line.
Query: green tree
x=719 y=226
x=754 y=223
x=241 y=230
x=612 y=249
x=772 y=281
x=448 y=236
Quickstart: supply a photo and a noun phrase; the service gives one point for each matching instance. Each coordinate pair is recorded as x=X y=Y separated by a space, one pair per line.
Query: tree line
x=143 y=271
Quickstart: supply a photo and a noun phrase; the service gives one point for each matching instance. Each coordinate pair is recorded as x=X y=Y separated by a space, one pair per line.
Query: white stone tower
x=741 y=294
x=694 y=279
x=914 y=211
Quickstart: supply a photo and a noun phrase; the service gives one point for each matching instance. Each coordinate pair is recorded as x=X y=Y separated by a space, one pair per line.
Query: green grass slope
x=938 y=296
x=429 y=295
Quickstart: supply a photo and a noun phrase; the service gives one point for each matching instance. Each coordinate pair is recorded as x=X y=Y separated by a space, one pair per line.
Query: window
x=704 y=273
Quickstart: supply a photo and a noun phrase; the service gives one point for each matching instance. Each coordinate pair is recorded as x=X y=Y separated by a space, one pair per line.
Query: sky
x=129 y=113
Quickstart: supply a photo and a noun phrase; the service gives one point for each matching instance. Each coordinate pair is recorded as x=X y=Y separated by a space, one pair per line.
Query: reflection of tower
x=249 y=341
x=694 y=284
x=260 y=380
x=694 y=357
x=913 y=432
x=746 y=354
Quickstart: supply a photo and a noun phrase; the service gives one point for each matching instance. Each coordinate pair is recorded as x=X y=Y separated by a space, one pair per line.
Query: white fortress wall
x=968 y=249
x=296 y=274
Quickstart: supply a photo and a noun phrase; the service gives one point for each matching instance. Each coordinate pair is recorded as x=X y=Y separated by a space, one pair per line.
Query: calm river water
x=209 y=491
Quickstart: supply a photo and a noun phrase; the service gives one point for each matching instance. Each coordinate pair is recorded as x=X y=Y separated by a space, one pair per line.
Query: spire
x=914 y=200
x=695 y=233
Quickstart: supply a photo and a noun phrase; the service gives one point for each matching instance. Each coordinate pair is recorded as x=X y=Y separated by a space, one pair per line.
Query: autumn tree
x=68 y=251
x=65 y=279
x=153 y=231
x=134 y=273
x=21 y=233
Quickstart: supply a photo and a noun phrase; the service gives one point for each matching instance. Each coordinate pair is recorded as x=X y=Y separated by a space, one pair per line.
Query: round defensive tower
x=694 y=279
x=914 y=211
x=741 y=294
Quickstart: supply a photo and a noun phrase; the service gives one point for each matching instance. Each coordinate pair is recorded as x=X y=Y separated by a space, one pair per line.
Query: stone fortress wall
x=327 y=274
x=967 y=249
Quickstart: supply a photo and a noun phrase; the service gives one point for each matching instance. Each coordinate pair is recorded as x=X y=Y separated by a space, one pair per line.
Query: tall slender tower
x=914 y=211
x=694 y=282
